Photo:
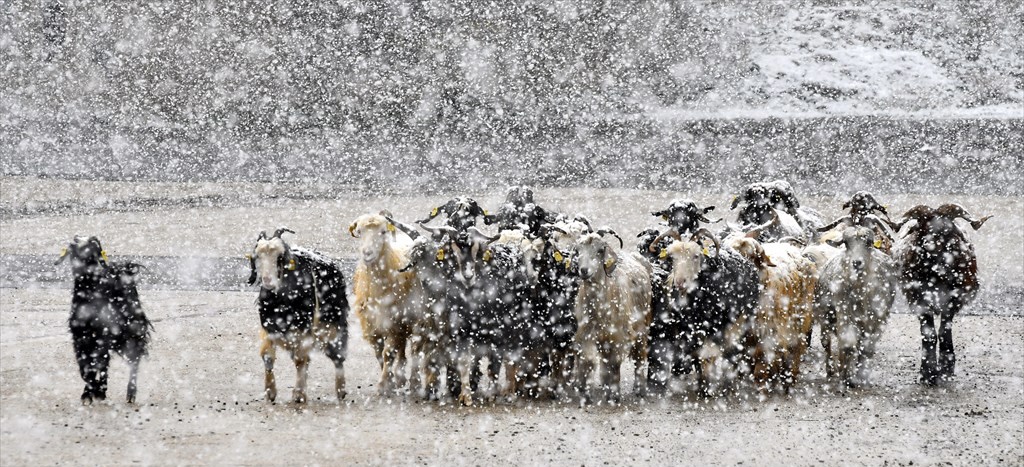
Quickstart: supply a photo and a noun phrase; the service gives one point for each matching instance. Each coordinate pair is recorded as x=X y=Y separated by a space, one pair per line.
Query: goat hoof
x=130 y=399
x=341 y=395
x=299 y=397
x=466 y=400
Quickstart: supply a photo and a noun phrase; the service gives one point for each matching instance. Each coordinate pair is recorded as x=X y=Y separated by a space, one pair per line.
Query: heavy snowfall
x=576 y=232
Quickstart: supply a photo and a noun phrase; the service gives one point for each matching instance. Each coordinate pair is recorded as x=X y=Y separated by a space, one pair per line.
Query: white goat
x=784 y=314
x=852 y=301
x=387 y=300
x=613 y=312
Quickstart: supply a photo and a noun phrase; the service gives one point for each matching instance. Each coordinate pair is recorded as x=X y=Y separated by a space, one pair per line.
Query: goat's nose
x=858 y=264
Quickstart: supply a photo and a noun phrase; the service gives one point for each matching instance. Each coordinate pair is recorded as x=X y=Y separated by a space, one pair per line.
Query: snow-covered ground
x=200 y=391
x=200 y=404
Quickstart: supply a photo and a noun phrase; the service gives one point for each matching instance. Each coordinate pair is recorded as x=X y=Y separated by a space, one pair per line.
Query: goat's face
x=782 y=196
x=687 y=258
x=375 y=232
x=596 y=257
x=269 y=257
x=684 y=216
x=86 y=254
x=462 y=212
x=757 y=199
x=859 y=241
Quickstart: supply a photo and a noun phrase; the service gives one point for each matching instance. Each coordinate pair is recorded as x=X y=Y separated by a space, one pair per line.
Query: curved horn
x=668 y=233
x=281 y=231
x=836 y=222
x=606 y=230
x=252 y=269
x=411 y=232
x=408 y=266
x=263 y=234
x=352 y=230
x=953 y=211
x=702 y=232
x=756 y=231
x=437 y=211
x=736 y=201
x=479 y=236
x=438 y=233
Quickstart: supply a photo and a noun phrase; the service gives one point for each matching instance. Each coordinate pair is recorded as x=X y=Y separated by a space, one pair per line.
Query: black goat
x=553 y=325
x=865 y=211
x=703 y=296
x=461 y=212
x=106 y=316
x=939 y=277
x=761 y=199
x=489 y=308
x=520 y=212
x=434 y=263
x=302 y=304
x=684 y=216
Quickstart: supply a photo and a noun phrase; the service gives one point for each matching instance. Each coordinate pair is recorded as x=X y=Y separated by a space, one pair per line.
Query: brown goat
x=939 y=277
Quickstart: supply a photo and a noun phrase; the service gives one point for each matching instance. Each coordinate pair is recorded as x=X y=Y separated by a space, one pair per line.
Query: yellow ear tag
x=705 y=251
x=103 y=254
x=434 y=212
x=609 y=263
x=440 y=255
x=486 y=213
x=663 y=253
x=63 y=252
x=488 y=255
x=664 y=216
x=291 y=265
x=878 y=243
x=558 y=256
x=391 y=227
x=248 y=256
x=568 y=262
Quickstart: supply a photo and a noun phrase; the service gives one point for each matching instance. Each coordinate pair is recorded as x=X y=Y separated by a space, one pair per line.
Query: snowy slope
x=879 y=59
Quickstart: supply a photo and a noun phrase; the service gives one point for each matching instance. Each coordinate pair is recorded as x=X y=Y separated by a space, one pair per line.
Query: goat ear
x=352 y=230
x=765 y=260
x=736 y=201
x=63 y=254
x=252 y=269
x=611 y=261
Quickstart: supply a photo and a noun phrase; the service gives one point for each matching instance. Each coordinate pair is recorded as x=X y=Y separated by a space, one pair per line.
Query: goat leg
x=466 y=363
x=267 y=353
x=300 y=356
x=928 y=364
x=946 y=357
x=640 y=362
x=133 y=376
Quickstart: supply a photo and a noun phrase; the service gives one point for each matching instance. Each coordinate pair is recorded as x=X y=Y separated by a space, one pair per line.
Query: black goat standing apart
x=302 y=303
x=939 y=277
x=106 y=316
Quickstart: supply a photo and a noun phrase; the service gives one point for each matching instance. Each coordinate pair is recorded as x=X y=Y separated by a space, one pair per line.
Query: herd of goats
x=559 y=305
